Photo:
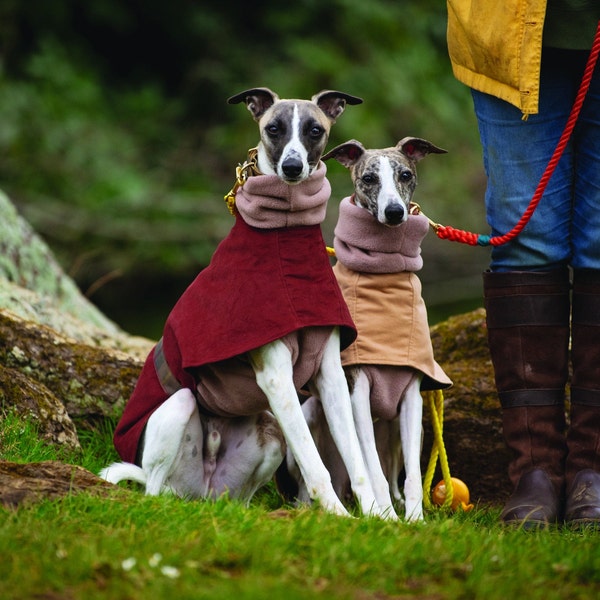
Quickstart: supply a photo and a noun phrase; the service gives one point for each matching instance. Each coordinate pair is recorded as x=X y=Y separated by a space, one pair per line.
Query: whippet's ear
x=333 y=103
x=258 y=100
x=346 y=154
x=416 y=148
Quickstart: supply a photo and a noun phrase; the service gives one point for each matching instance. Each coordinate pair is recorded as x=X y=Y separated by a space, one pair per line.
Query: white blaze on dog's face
x=384 y=185
x=384 y=179
x=293 y=133
x=293 y=136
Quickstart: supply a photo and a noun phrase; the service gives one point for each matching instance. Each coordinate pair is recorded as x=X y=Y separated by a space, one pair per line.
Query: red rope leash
x=474 y=239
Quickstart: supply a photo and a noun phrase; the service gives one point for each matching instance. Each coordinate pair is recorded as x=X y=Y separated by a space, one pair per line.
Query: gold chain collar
x=242 y=172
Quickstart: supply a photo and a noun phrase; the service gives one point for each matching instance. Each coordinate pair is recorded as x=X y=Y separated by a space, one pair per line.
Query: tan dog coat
x=386 y=307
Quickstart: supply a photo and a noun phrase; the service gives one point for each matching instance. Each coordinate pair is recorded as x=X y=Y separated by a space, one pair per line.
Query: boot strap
x=515 y=311
x=585 y=397
x=531 y=397
x=586 y=309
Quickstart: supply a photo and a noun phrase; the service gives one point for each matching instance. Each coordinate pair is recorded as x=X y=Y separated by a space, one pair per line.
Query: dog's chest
x=391 y=319
x=389 y=314
x=229 y=389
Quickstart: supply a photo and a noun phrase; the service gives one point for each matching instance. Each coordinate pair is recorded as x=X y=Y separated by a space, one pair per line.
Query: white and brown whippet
x=377 y=245
x=265 y=319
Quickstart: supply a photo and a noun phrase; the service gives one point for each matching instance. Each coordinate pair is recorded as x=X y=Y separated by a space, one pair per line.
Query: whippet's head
x=293 y=133
x=384 y=179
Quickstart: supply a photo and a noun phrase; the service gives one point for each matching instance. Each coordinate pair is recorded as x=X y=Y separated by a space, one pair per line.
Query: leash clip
x=415 y=209
x=242 y=172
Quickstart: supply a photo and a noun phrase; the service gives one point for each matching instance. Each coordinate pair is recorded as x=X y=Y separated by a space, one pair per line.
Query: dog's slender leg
x=411 y=424
x=315 y=417
x=272 y=364
x=389 y=448
x=332 y=389
x=364 y=428
x=173 y=447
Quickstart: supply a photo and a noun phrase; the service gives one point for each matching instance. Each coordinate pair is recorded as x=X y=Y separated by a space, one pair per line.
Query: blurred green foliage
x=117 y=144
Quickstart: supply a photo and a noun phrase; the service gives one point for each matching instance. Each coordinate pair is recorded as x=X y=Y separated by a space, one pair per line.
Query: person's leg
x=583 y=438
x=528 y=333
x=527 y=288
x=585 y=228
x=516 y=153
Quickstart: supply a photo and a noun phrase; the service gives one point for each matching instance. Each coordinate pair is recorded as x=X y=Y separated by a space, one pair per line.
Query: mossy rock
x=90 y=382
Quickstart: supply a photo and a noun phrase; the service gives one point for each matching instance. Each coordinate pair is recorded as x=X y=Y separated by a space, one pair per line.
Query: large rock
x=33 y=401
x=61 y=359
x=27 y=262
x=34 y=288
x=63 y=364
x=90 y=380
x=56 y=380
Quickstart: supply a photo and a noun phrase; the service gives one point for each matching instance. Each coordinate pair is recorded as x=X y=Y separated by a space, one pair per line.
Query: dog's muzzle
x=292 y=168
x=395 y=214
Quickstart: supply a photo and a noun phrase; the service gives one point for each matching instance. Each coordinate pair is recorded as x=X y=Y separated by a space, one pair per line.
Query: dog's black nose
x=291 y=167
x=394 y=214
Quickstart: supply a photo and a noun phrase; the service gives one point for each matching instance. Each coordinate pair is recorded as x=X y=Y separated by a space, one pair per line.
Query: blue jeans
x=565 y=228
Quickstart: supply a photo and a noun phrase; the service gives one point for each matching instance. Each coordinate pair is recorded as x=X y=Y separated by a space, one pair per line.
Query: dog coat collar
x=365 y=245
x=266 y=202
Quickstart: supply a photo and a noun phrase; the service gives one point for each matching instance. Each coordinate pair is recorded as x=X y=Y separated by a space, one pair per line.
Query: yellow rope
x=435 y=400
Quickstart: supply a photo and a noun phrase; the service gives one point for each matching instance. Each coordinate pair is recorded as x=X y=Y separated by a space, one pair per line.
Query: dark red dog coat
x=267 y=280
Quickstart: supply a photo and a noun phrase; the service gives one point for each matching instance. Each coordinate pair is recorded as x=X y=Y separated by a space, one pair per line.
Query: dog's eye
x=272 y=129
x=316 y=131
x=406 y=176
x=369 y=178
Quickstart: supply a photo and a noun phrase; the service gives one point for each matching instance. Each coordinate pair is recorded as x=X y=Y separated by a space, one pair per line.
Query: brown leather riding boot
x=528 y=334
x=583 y=438
x=536 y=437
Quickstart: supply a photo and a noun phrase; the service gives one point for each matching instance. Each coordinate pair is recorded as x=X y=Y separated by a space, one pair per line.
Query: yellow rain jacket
x=495 y=46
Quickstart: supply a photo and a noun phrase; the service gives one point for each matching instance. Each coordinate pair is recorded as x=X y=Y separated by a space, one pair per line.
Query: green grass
x=129 y=546
x=21 y=442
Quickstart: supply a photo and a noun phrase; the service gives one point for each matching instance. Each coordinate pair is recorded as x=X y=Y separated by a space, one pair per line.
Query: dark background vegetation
x=117 y=144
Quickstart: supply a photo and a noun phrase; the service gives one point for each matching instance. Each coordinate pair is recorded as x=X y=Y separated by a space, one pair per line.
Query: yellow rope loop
x=242 y=172
x=435 y=401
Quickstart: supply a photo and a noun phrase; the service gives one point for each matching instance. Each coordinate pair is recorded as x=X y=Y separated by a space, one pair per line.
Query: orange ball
x=460 y=494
